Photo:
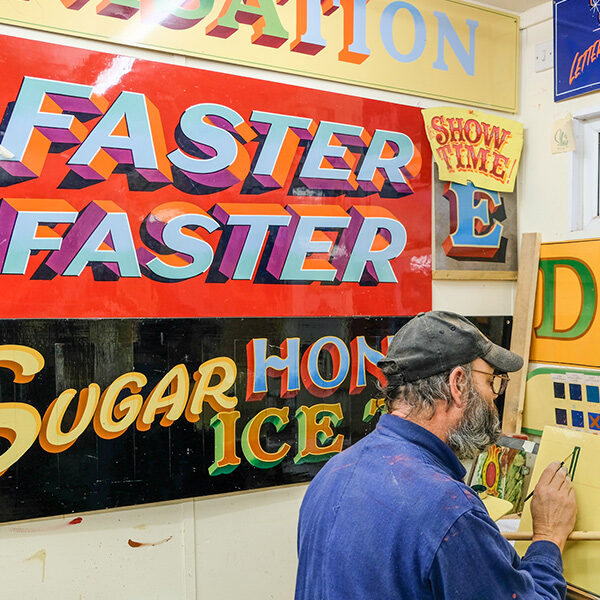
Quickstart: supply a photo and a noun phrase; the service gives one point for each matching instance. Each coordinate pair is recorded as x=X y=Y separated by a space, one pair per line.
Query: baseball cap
x=437 y=341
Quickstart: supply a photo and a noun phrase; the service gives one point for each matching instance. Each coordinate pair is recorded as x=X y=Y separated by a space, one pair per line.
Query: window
x=585 y=193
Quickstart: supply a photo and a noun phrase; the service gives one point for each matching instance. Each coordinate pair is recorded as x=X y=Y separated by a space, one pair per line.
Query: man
x=390 y=517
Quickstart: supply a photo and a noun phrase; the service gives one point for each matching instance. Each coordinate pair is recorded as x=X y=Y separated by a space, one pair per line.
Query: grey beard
x=478 y=428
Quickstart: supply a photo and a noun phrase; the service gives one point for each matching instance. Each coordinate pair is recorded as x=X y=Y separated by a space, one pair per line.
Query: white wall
x=225 y=548
x=544 y=190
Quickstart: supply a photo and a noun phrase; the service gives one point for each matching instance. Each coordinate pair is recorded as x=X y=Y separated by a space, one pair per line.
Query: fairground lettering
x=211 y=155
x=125 y=403
x=264 y=25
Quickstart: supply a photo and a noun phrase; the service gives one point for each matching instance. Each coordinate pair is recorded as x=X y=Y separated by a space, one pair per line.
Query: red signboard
x=138 y=189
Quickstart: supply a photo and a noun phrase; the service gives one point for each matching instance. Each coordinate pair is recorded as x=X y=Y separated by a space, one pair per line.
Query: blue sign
x=576 y=47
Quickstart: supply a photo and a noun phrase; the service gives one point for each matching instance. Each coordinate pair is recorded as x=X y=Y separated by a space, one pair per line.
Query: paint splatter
x=399 y=458
x=343 y=466
x=41 y=556
x=43 y=528
x=135 y=544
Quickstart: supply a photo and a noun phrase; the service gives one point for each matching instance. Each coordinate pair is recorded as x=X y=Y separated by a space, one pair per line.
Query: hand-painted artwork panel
x=446 y=49
x=98 y=414
x=559 y=395
x=137 y=189
x=579 y=452
x=474 y=146
x=564 y=378
x=566 y=324
x=576 y=48
x=475 y=231
x=503 y=471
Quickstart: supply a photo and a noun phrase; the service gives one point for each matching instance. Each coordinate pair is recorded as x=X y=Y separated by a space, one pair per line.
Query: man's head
x=441 y=358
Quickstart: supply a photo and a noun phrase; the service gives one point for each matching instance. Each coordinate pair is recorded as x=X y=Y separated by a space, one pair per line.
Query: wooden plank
x=574 y=593
x=529 y=259
x=462 y=275
x=577 y=536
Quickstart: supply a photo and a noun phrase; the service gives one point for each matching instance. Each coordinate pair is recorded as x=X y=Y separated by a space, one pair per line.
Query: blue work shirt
x=391 y=519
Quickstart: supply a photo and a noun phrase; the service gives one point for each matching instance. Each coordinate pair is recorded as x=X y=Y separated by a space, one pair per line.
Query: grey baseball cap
x=437 y=341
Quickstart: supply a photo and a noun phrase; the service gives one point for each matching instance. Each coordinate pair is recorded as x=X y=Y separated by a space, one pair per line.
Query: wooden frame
x=529 y=259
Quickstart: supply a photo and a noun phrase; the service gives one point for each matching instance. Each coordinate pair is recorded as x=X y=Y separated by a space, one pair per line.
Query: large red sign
x=138 y=189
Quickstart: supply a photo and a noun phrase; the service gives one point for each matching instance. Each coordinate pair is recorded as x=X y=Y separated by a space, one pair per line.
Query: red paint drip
x=75 y=521
x=135 y=544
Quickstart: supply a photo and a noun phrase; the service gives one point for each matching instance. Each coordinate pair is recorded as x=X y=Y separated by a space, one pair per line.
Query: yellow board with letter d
x=563 y=383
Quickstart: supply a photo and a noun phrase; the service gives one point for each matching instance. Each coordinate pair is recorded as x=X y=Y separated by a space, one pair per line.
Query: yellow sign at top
x=444 y=49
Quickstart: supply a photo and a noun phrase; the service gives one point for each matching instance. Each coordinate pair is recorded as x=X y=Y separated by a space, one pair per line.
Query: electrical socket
x=544 y=56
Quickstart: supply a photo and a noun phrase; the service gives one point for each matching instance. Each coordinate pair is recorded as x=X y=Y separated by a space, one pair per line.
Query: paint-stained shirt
x=391 y=519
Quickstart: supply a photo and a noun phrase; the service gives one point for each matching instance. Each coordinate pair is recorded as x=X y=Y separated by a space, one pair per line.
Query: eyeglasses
x=498 y=382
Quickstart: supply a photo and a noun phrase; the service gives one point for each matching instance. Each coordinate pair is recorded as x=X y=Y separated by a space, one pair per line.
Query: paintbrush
x=562 y=463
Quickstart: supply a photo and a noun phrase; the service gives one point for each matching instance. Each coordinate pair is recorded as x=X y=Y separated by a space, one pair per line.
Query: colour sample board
x=562 y=396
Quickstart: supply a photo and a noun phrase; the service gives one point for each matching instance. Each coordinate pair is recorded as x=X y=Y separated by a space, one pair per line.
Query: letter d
x=587 y=311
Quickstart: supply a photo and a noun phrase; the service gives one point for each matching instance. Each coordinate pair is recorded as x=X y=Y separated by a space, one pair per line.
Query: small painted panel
x=502 y=470
x=476 y=147
x=575 y=391
x=475 y=230
x=580 y=451
x=577 y=418
x=139 y=189
x=546 y=403
x=592 y=393
x=594 y=421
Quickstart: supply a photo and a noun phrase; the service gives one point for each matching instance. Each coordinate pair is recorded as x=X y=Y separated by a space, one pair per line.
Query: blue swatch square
x=561 y=416
x=594 y=419
x=575 y=391
x=559 y=389
x=592 y=393
x=577 y=418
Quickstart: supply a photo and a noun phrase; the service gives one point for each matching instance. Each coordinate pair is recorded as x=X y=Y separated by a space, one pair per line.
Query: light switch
x=544 y=56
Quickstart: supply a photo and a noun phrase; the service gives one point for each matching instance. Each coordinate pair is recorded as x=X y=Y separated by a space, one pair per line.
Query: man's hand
x=553 y=506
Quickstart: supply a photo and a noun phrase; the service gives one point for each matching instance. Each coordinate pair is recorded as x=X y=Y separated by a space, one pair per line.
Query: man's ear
x=458 y=383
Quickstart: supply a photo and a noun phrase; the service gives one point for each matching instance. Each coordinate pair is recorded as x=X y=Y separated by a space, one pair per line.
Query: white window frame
x=585 y=172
